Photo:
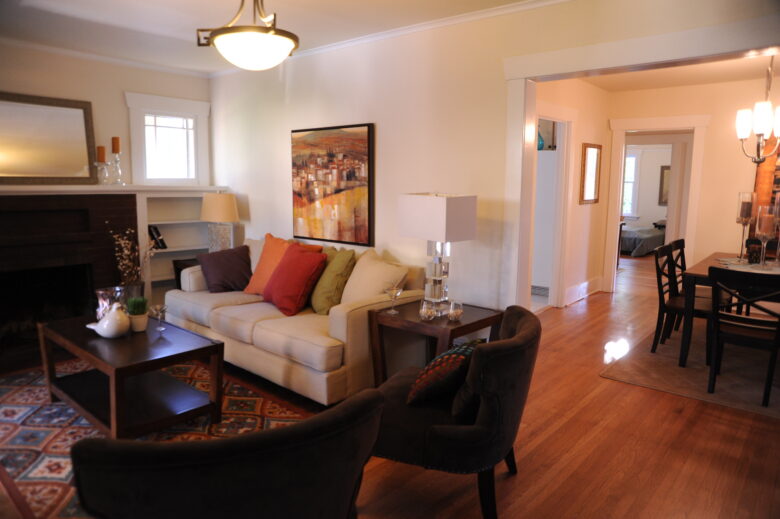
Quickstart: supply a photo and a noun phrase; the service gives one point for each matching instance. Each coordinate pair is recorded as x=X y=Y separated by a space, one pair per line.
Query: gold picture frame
x=590 y=174
x=663 y=185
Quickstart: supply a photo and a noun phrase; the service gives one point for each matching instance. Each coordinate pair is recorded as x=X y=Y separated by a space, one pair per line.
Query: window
x=169 y=140
x=630 y=185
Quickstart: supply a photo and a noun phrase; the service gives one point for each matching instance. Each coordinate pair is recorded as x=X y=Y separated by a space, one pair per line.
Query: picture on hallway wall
x=663 y=187
x=332 y=183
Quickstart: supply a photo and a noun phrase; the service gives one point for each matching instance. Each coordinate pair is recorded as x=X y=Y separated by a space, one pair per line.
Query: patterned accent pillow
x=443 y=375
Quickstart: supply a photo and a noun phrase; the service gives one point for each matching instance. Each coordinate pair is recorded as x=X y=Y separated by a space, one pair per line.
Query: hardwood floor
x=592 y=447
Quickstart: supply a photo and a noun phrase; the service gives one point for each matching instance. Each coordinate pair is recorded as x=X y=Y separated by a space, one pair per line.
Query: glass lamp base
x=220 y=236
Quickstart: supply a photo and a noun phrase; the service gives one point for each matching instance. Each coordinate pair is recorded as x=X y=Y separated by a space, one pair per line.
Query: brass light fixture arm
x=203 y=35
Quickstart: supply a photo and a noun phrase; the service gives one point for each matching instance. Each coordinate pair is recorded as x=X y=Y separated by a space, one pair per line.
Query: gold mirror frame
x=585 y=179
x=86 y=108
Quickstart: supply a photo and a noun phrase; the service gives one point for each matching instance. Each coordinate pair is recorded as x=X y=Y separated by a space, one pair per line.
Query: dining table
x=699 y=275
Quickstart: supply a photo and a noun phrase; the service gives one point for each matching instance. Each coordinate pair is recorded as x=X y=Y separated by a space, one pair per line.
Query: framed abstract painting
x=333 y=184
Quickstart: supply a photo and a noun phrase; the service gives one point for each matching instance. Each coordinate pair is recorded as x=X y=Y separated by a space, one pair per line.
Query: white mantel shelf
x=103 y=189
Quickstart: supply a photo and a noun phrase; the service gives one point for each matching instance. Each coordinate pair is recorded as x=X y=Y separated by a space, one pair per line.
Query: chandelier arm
x=744 y=151
x=237 y=16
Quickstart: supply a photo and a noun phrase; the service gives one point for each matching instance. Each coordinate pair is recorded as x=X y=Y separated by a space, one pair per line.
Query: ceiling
x=702 y=73
x=162 y=32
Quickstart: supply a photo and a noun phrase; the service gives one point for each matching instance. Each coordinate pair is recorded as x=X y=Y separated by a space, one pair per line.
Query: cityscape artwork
x=332 y=176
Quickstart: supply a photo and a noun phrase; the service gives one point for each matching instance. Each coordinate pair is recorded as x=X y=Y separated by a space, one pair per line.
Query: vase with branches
x=130 y=260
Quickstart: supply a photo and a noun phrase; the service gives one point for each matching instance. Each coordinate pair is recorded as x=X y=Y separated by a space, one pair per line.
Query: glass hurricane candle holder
x=427 y=310
x=745 y=216
x=456 y=311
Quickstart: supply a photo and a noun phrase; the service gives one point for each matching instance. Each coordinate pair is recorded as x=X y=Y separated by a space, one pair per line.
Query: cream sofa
x=323 y=357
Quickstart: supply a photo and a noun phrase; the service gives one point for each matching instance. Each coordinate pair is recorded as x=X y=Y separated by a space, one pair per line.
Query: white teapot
x=113 y=324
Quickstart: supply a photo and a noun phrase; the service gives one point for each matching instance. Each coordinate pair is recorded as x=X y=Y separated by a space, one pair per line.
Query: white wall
x=35 y=72
x=438 y=99
x=651 y=158
x=547 y=167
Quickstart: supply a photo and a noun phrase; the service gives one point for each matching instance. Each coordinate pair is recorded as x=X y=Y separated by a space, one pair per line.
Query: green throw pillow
x=338 y=267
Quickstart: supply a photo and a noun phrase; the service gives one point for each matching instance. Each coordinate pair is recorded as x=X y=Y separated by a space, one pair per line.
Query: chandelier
x=251 y=47
x=761 y=121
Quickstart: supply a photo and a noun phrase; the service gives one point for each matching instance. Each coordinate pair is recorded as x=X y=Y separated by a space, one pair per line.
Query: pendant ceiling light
x=251 y=47
x=761 y=120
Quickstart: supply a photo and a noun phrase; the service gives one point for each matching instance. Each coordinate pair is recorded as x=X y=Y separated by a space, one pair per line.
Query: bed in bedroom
x=641 y=241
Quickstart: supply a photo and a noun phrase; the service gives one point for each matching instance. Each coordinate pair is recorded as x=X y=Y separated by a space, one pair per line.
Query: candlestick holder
x=117 y=176
x=103 y=172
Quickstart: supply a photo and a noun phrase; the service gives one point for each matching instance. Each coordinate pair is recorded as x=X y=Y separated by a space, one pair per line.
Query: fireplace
x=54 y=251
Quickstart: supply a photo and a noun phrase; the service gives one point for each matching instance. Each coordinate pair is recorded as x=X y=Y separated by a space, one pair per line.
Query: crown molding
x=492 y=12
x=105 y=59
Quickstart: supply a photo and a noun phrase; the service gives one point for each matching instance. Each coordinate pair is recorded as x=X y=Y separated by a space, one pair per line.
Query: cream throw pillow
x=371 y=277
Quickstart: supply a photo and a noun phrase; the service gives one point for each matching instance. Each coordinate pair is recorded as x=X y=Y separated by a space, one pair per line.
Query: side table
x=440 y=332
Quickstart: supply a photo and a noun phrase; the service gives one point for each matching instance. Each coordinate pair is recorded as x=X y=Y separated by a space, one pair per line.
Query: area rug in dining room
x=740 y=384
x=36 y=436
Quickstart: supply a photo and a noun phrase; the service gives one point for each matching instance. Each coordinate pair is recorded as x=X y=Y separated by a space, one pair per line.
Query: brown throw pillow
x=226 y=270
x=443 y=375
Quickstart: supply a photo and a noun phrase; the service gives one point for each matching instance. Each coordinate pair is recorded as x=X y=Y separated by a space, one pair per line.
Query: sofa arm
x=349 y=324
x=192 y=279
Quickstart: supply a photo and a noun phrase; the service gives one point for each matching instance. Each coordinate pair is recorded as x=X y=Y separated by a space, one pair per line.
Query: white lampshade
x=777 y=122
x=744 y=123
x=219 y=207
x=252 y=48
x=763 y=118
x=438 y=217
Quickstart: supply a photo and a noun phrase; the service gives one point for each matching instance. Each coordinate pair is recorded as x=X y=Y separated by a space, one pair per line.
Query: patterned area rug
x=36 y=436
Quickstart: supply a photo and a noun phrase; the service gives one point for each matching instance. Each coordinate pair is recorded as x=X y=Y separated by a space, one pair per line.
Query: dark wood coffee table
x=126 y=395
x=439 y=332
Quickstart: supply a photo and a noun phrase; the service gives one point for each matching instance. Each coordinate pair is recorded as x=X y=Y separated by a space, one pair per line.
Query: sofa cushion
x=197 y=306
x=442 y=376
x=303 y=338
x=328 y=290
x=239 y=321
x=273 y=250
x=294 y=279
x=371 y=277
x=226 y=270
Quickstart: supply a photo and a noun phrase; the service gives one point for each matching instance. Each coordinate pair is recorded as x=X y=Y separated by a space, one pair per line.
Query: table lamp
x=220 y=209
x=440 y=219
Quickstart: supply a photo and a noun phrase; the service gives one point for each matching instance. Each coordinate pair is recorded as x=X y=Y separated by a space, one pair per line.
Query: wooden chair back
x=666 y=273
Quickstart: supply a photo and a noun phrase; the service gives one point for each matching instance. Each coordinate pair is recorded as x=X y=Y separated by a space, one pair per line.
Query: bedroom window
x=630 y=186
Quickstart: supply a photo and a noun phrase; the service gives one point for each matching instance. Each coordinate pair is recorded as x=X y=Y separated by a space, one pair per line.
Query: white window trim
x=633 y=152
x=138 y=105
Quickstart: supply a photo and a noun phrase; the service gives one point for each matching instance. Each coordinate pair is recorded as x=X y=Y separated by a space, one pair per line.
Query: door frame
x=696 y=123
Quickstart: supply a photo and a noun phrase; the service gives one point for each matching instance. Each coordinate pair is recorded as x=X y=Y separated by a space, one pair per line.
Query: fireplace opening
x=40 y=295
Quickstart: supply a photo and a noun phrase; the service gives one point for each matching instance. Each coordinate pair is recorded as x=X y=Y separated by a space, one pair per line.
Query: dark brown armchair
x=308 y=470
x=477 y=431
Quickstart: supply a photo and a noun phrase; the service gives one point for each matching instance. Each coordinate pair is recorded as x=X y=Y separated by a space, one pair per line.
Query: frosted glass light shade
x=744 y=123
x=219 y=207
x=254 y=47
x=763 y=118
x=438 y=217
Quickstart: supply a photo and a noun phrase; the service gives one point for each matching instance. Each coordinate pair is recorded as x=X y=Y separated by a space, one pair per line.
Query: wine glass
x=393 y=293
x=158 y=312
x=765 y=229
x=745 y=203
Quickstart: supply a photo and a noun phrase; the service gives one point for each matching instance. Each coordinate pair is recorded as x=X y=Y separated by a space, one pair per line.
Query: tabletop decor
x=137 y=308
x=745 y=216
x=113 y=324
x=332 y=183
x=765 y=230
x=130 y=261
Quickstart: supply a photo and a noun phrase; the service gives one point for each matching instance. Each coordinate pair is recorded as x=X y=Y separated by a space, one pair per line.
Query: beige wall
x=35 y=72
x=726 y=171
x=438 y=99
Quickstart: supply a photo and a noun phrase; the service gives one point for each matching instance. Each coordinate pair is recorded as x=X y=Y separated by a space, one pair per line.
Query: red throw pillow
x=294 y=279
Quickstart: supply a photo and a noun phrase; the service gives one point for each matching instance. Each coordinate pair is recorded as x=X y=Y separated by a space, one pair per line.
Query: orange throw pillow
x=294 y=279
x=273 y=250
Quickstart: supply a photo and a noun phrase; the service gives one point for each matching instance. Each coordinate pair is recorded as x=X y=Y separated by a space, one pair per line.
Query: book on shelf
x=156 y=236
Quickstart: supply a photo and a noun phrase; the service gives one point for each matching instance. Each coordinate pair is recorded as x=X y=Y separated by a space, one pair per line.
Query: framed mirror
x=589 y=179
x=46 y=140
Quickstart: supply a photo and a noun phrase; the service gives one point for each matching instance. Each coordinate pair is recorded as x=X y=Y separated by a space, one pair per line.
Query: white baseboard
x=576 y=292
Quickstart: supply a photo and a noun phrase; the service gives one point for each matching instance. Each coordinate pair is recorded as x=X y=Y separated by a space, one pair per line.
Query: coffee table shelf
x=158 y=400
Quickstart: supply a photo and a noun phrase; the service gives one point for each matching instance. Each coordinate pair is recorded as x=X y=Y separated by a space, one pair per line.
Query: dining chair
x=758 y=327
x=671 y=301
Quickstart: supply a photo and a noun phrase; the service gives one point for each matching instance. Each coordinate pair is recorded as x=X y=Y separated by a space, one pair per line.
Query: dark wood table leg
x=443 y=341
x=215 y=389
x=495 y=331
x=116 y=403
x=689 y=288
x=431 y=344
x=47 y=360
x=377 y=349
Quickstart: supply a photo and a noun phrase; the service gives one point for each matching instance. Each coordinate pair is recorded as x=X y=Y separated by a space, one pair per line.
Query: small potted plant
x=137 y=308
